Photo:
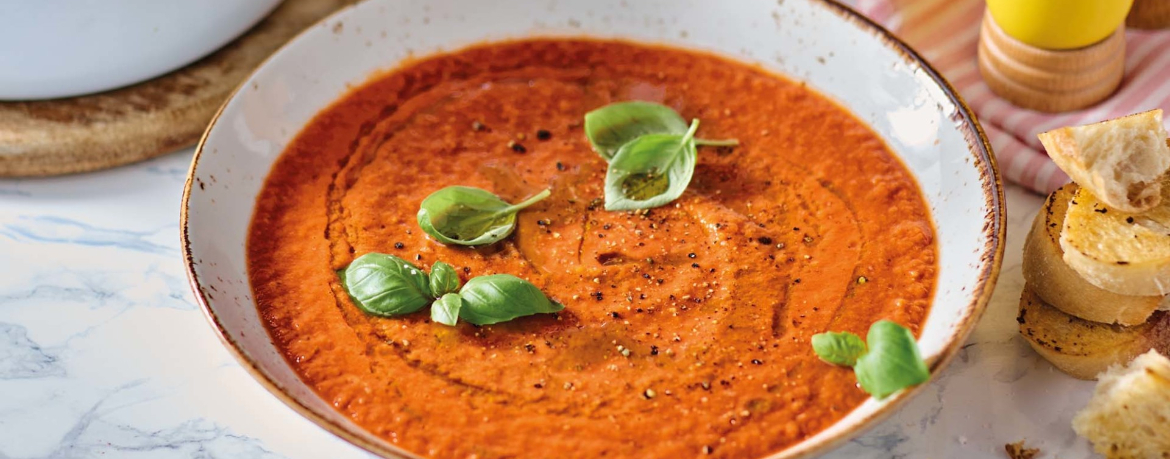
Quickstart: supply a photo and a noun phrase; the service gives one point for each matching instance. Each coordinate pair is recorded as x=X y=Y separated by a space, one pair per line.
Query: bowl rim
x=994 y=231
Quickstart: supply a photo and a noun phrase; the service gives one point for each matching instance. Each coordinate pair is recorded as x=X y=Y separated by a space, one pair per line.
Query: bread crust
x=1122 y=161
x=1083 y=348
x=1122 y=252
x=1062 y=287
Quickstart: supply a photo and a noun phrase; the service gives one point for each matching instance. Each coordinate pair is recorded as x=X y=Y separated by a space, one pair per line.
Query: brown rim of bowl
x=992 y=256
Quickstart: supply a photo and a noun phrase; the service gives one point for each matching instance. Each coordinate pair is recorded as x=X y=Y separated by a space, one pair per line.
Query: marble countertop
x=103 y=352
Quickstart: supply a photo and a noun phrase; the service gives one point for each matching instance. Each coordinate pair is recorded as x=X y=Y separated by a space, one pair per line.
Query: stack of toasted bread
x=1097 y=260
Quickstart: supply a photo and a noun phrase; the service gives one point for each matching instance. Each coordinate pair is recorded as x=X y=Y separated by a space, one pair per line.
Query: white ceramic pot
x=51 y=49
x=823 y=43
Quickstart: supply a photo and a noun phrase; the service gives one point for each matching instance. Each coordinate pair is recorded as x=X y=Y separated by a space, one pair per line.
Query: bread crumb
x=1126 y=418
x=1018 y=451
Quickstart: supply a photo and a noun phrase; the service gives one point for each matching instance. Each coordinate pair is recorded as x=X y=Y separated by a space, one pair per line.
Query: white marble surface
x=103 y=352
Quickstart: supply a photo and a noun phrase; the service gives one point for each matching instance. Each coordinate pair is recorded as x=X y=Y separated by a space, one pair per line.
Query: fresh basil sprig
x=651 y=152
x=385 y=285
x=388 y=286
x=444 y=279
x=445 y=310
x=840 y=349
x=651 y=171
x=502 y=297
x=464 y=215
x=614 y=125
x=891 y=363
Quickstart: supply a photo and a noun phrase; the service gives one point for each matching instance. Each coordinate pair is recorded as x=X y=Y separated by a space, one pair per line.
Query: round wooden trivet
x=99 y=131
x=1049 y=80
x=1149 y=14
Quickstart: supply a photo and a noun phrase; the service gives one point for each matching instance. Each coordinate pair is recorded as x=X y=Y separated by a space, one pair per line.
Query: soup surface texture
x=686 y=328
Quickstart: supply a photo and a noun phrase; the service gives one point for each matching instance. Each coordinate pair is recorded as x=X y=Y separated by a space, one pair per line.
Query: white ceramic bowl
x=52 y=49
x=832 y=48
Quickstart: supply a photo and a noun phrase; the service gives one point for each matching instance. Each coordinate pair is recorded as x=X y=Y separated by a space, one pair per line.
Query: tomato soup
x=685 y=330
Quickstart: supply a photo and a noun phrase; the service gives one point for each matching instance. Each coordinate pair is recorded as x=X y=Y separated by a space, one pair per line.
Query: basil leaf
x=893 y=362
x=651 y=171
x=385 y=285
x=836 y=348
x=463 y=215
x=612 y=126
x=445 y=310
x=502 y=297
x=444 y=279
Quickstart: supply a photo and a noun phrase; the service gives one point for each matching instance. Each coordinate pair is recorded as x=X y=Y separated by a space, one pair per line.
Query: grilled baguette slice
x=1122 y=161
x=1127 y=417
x=1083 y=348
x=1122 y=252
x=1060 y=286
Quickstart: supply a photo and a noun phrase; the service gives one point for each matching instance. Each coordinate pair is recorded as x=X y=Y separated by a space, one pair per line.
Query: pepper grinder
x=1053 y=55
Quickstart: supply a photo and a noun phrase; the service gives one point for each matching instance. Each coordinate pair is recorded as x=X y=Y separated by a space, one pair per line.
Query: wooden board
x=39 y=138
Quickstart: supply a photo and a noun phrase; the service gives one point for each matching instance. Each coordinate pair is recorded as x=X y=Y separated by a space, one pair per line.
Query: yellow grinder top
x=1059 y=24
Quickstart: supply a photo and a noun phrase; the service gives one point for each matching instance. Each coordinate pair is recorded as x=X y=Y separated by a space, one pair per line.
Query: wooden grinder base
x=1049 y=80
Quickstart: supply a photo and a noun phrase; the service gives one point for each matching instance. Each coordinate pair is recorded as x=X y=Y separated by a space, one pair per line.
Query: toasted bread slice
x=1118 y=251
x=1084 y=348
x=1122 y=161
x=1060 y=286
x=1129 y=414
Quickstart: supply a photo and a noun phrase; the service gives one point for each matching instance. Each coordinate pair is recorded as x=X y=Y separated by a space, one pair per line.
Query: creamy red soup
x=686 y=328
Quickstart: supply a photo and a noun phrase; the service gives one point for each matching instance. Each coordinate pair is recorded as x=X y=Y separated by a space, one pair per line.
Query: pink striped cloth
x=946 y=33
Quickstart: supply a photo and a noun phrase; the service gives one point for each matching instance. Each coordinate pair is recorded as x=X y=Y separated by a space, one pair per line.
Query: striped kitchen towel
x=946 y=33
